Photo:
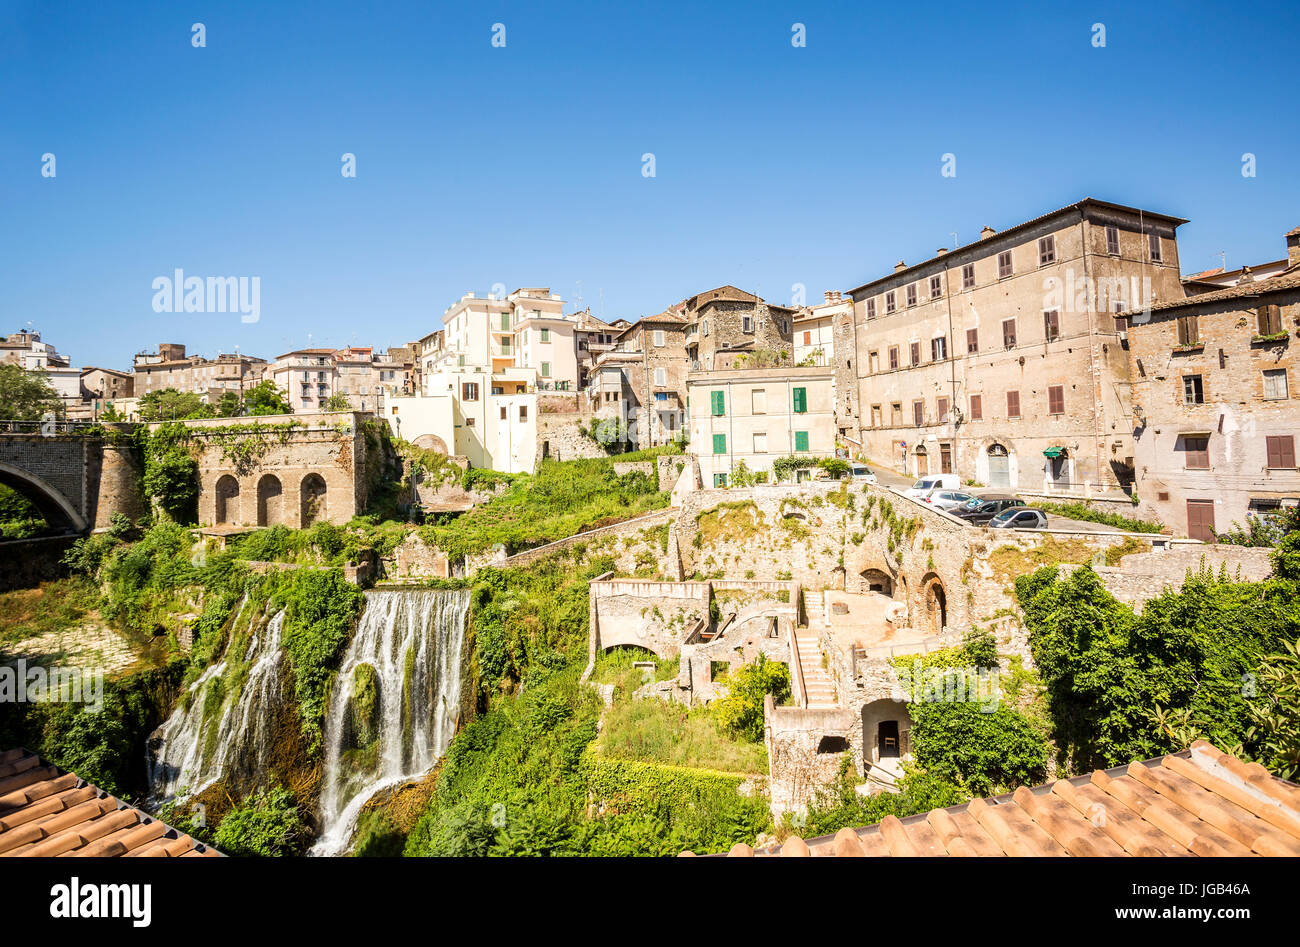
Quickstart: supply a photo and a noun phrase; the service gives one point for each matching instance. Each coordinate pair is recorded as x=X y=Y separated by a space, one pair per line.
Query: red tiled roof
x=45 y=811
x=1288 y=280
x=1198 y=802
x=1077 y=205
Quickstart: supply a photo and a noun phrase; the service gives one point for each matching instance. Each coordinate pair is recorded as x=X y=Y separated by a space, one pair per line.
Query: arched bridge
x=77 y=482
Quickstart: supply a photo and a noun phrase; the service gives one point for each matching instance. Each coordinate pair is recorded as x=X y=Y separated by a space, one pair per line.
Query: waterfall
x=224 y=728
x=394 y=705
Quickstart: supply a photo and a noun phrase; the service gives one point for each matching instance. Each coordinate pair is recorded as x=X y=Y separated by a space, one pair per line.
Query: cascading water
x=225 y=728
x=395 y=703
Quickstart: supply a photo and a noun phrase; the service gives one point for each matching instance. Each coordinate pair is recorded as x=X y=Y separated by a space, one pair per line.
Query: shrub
x=268 y=823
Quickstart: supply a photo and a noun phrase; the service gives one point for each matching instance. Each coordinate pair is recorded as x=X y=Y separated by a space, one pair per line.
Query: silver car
x=859 y=472
x=949 y=500
x=1019 y=518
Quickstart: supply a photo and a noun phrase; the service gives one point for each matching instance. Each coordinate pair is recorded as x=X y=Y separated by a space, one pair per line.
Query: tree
x=172 y=405
x=741 y=711
x=229 y=405
x=337 y=402
x=26 y=396
x=265 y=398
x=111 y=414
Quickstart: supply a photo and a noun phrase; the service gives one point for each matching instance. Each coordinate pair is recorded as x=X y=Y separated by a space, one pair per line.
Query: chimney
x=1293 y=248
x=987 y=232
x=941 y=251
x=900 y=265
x=830 y=296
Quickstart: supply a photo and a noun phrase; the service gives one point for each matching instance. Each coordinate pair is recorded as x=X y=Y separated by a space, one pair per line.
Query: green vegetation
x=27 y=396
x=20 y=518
x=1089 y=514
x=169 y=404
x=268 y=823
x=560 y=500
x=171 y=474
x=1123 y=686
x=741 y=711
x=1267 y=529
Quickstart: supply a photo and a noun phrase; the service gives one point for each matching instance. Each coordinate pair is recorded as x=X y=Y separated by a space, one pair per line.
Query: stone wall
x=561 y=436
x=636 y=545
x=298 y=470
x=1143 y=576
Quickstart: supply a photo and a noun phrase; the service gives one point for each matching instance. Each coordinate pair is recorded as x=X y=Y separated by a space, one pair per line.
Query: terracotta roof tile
x=1288 y=280
x=46 y=812
x=1199 y=802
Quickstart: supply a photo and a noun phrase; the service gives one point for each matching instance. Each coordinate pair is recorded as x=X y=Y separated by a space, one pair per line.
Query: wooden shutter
x=1013 y=404
x=976 y=407
x=719 y=443
x=1281 y=451
x=1056 y=399
x=719 y=403
x=800 y=400
x=801 y=440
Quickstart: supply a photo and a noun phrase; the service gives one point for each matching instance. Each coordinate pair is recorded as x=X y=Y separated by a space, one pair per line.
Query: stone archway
x=314 y=499
x=877 y=580
x=934 y=604
x=227 y=497
x=999 y=461
x=886 y=731
x=432 y=442
x=57 y=509
x=270 y=501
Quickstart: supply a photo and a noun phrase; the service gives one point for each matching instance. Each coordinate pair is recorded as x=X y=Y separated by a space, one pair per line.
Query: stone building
x=306 y=377
x=726 y=323
x=753 y=416
x=294 y=471
x=641 y=380
x=1001 y=361
x=1215 y=403
x=170 y=367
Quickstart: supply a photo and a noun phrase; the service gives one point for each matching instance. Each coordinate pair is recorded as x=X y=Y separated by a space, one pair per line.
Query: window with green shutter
x=546 y=369
x=505 y=322
x=720 y=443
x=800 y=439
x=801 y=401
x=719 y=480
x=719 y=404
x=546 y=335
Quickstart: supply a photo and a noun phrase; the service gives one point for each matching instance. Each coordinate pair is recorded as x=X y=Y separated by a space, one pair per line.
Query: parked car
x=949 y=500
x=982 y=509
x=927 y=485
x=1018 y=517
x=859 y=472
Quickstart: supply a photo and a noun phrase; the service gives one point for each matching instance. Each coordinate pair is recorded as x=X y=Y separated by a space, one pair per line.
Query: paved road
x=891 y=478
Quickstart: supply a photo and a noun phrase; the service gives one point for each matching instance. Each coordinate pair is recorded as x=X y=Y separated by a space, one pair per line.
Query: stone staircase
x=818 y=685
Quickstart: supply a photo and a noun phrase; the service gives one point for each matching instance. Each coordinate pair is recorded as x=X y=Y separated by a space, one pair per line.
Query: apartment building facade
x=814 y=330
x=641 y=379
x=1217 y=411
x=1003 y=360
x=170 y=367
x=753 y=416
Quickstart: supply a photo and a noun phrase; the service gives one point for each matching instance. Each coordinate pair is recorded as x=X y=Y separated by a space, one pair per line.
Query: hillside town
x=819 y=565
x=1063 y=357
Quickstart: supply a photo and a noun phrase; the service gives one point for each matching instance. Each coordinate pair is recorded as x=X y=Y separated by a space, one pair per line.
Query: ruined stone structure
x=291 y=470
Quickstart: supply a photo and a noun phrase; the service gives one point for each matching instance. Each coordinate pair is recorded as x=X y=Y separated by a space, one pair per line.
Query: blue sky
x=521 y=165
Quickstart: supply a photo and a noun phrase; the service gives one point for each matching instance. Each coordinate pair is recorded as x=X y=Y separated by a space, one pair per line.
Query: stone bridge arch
x=55 y=506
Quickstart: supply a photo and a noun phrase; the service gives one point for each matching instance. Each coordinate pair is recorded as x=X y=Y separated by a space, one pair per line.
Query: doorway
x=887 y=739
x=999 y=467
x=1200 y=520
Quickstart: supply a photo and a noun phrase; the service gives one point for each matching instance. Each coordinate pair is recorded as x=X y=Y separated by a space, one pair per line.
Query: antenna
x=1223 y=260
x=954 y=239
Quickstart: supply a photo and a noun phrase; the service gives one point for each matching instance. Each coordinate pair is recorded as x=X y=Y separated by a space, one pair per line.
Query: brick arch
x=432 y=442
x=313 y=499
x=54 y=506
x=934 y=604
x=226 y=493
x=270 y=500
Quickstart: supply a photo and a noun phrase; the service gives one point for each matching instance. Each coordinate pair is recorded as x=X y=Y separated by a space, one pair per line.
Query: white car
x=927 y=485
x=859 y=472
x=1019 y=518
x=949 y=500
